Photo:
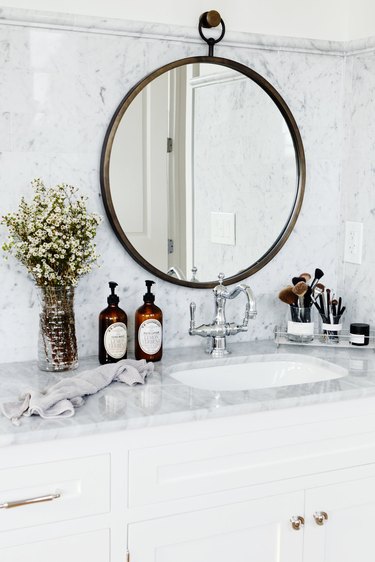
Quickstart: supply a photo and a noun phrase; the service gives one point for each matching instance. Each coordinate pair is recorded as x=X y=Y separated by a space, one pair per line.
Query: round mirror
x=202 y=171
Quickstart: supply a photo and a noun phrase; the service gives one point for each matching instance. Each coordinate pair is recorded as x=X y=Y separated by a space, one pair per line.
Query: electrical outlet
x=353 y=242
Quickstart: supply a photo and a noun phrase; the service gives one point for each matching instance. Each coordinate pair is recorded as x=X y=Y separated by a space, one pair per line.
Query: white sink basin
x=260 y=371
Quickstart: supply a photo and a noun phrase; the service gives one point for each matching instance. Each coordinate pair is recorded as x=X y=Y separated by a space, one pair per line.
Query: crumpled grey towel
x=61 y=399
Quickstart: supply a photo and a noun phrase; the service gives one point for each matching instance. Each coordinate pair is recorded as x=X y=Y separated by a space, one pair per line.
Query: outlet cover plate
x=223 y=228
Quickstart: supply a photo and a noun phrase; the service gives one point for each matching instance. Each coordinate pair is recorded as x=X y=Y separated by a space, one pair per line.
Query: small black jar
x=359 y=334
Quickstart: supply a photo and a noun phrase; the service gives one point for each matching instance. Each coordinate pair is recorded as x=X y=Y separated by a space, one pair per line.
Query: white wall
x=360 y=19
x=320 y=19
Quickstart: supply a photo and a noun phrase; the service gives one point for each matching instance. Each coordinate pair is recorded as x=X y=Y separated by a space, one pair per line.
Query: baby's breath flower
x=52 y=236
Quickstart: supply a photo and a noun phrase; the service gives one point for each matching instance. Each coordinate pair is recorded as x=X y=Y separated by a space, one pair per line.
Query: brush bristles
x=286 y=295
x=306 y=276
x=300 y=289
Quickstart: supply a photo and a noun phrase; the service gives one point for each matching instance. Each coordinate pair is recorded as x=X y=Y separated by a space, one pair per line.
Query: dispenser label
x=150 y=336
x=116 y=340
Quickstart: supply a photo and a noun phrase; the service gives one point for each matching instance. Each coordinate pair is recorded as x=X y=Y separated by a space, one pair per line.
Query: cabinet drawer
x=54 y=491
x=93 y=546
x=165 y=473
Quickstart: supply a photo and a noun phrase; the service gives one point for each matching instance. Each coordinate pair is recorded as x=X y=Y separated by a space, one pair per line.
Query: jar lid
x=358 y=328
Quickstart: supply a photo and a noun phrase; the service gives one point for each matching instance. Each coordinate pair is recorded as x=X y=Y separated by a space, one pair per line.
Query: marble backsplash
x=59 y=86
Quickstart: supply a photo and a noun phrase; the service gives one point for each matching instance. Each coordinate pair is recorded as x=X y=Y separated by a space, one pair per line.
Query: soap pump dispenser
x=149 y=328
x=113 y=331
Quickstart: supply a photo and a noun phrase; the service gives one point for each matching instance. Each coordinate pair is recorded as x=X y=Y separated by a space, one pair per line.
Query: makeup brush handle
x=307 y=297
x=321 y=312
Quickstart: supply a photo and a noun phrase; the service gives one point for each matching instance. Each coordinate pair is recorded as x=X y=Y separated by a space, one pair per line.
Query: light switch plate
x=223 y=228
x=353 y=242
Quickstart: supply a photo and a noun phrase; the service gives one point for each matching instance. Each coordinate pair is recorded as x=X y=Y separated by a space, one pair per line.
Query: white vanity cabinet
x=251 y=487
x=331 y=523
x=256 y=530
x=348 y=533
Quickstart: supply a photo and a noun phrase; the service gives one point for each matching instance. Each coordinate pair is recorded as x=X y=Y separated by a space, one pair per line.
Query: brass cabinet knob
x=320 y=517
x=297 y=522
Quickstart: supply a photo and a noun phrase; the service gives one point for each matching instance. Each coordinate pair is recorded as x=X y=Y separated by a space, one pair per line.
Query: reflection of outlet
x=353 y=242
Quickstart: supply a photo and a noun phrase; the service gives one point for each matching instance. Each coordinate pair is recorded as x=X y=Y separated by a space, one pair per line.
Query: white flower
x=53 y=235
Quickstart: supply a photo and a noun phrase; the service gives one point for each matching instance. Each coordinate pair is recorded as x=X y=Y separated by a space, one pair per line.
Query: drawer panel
x=93 y=546
x=83 y=487
x=170 y=472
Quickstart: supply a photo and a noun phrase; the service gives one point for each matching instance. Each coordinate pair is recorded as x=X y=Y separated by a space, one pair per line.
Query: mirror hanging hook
x=208 y=20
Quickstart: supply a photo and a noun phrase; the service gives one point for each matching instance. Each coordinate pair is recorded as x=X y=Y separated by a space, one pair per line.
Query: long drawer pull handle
x=29 y=501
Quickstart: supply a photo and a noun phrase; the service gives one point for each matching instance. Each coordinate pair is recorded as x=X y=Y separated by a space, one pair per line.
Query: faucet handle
x=193 y=306
x=221 y=277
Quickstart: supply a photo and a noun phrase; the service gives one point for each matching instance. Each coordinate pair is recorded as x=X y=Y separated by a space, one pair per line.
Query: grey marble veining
x=164 y=400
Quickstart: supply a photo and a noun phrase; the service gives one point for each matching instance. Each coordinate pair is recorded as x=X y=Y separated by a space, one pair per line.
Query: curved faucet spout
x=220 y=329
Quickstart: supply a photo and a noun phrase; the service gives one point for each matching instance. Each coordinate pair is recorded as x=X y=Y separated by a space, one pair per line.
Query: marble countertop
x=164 y=400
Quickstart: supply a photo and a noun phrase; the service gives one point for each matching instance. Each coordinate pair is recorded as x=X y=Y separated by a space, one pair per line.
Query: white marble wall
x=59 y=86
x=358 y=192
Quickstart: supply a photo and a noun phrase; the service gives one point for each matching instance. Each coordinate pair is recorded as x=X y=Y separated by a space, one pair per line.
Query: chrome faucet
x=218 y=331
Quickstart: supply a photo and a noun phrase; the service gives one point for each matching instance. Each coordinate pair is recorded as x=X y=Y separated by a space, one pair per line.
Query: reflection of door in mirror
x=150 y=197
x=141 y=194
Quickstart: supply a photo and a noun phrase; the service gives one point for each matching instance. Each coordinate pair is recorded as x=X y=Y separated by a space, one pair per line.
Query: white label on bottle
x=150 y=336
x=116 y=340
x=359 y=339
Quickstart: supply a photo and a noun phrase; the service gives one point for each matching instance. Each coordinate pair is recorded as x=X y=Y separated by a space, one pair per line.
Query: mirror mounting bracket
x=208 y=20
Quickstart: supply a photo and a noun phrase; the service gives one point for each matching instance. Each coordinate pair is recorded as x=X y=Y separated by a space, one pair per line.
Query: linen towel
x=61 y=399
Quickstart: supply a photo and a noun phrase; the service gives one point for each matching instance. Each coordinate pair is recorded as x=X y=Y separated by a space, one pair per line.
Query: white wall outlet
x=223 y=228
x=353 y=242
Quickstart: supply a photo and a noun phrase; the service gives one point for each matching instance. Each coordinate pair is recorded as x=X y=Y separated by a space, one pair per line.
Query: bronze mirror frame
x=300 y=166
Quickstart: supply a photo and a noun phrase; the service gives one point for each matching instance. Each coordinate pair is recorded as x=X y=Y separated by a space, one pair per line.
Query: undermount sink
x=260 y=371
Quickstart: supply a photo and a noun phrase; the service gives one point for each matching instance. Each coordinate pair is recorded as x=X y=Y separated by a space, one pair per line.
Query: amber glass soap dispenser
x=149 y=328
x=113 y=330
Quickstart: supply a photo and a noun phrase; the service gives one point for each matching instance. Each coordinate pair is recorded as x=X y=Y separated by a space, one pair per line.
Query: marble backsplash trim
x=149 y=30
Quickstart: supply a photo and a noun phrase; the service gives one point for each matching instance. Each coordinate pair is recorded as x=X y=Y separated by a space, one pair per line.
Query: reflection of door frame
x=191 y=71
x=176 y=170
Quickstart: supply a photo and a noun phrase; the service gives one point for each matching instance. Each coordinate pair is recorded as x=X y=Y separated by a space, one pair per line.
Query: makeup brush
x=300 y=289
x=286 y=295
x=339 y=307
x=321 y=303
x=318 y=275
x=306 y=276
x=319 y=289
x=328 y=298
x=296 y=280
x=334 y=307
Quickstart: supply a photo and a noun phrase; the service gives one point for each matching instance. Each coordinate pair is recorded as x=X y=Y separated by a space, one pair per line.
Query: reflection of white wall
x=244 y=163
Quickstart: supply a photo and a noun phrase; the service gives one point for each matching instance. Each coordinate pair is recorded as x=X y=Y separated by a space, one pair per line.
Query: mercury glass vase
x=57 y=347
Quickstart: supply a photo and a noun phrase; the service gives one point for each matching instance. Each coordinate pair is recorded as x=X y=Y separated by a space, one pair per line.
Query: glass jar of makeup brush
x=300 y=324
x=330 y=328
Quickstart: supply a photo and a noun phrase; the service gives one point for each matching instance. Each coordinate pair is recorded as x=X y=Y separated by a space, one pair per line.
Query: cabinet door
x=258 y=530
x=93 y=546
x=348 y=533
